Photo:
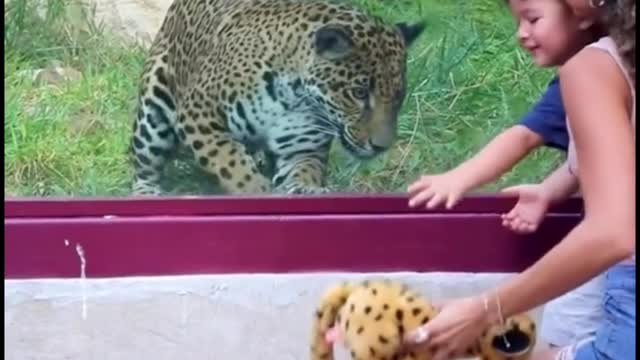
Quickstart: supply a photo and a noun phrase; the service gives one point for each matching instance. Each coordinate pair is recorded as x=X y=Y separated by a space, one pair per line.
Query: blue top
x=547 y=118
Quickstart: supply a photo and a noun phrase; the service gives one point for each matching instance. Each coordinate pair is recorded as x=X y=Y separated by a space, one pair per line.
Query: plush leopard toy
x=374 y=316
x=282 y=78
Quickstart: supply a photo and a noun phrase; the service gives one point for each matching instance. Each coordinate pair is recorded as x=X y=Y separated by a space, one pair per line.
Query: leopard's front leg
x=226 y=159
x=302 y=172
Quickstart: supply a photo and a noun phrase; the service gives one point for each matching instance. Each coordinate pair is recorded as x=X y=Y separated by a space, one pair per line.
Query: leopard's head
x=357 y=77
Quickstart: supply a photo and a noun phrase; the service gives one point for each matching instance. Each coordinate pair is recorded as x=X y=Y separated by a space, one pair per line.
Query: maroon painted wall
x=172 y=236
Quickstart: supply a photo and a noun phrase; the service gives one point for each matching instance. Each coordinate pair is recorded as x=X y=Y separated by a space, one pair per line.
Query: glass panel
x=71 y=84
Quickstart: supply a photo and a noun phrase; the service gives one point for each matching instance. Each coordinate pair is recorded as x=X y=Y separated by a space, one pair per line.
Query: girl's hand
x=527 y=215
x=459 y=323
x=434 y=190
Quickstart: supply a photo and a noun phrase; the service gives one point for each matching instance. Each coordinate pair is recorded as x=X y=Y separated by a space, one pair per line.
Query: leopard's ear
x=334 y=42
x=410 y=32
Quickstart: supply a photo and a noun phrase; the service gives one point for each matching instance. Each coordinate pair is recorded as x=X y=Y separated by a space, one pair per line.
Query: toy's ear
x=333 y=42
x=410 y=32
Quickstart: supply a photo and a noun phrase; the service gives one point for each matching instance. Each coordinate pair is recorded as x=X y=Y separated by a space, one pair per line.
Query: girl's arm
x=597 y=104
x=498 y=156
x=560 y=185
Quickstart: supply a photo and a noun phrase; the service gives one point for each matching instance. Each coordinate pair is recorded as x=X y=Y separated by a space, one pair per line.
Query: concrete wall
x=236 y=317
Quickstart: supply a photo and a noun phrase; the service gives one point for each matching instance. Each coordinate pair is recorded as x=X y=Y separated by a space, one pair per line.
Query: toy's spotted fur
x=374 y=316
x=226 y=78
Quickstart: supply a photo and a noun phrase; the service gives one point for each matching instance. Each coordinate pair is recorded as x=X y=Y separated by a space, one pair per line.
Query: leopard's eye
x=360 y=93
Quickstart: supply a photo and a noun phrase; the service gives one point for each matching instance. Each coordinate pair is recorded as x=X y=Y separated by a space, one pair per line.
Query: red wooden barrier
x=216 y=235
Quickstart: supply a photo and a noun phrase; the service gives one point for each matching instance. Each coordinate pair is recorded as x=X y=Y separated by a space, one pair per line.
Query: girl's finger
x=524 y=227
x=440 y=347
x=421 y=197
x=452 y=199
x=418 y=185
x=530 y=228
x=510 y=215
x=435 y=201
x=516 y=223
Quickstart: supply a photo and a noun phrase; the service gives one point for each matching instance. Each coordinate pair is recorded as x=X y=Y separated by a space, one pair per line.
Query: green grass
x=467 y=81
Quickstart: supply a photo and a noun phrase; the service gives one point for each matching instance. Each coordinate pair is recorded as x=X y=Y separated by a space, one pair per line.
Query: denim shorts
x=615 y=338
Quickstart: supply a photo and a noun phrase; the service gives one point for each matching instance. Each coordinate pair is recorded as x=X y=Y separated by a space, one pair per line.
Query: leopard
x=374 y=315
x=285 y=79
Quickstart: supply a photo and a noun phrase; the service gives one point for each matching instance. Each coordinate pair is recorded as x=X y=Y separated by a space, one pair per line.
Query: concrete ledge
x=241 y=317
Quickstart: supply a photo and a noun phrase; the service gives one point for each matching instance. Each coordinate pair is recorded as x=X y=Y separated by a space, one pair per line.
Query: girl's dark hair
x=620 y=20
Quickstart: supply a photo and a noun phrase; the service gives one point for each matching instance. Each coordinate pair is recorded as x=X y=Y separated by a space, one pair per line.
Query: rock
x=56 y=74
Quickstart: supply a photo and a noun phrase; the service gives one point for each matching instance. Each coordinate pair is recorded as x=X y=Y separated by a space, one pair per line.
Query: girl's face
x=548 y=30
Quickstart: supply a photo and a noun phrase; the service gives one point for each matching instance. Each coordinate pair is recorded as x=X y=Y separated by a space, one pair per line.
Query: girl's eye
x=360 y=93
x=534 y=20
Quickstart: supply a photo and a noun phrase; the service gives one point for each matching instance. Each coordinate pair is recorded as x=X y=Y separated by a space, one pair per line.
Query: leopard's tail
x=325 y=317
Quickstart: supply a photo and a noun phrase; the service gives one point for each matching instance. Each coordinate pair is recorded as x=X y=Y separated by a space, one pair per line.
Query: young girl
x=598 y=94
x=575 y=315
